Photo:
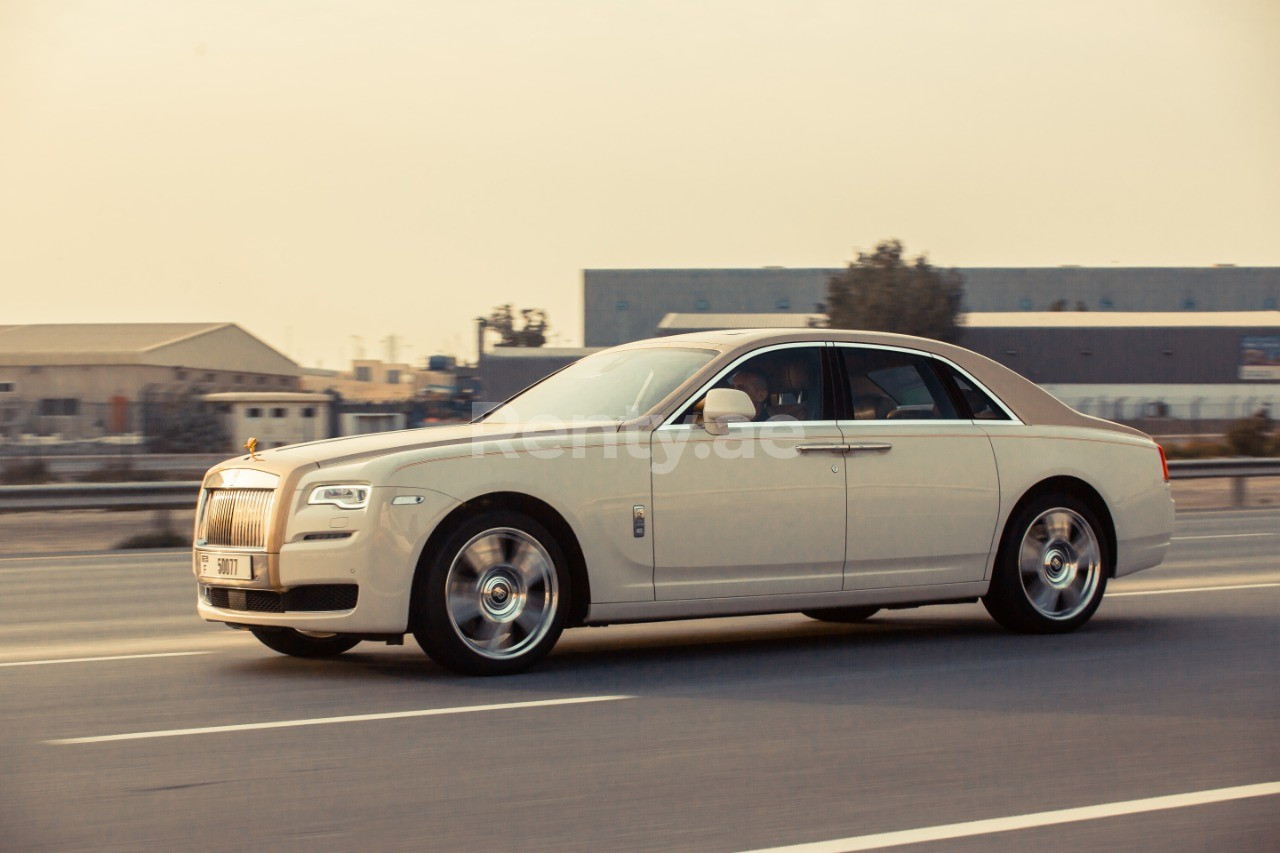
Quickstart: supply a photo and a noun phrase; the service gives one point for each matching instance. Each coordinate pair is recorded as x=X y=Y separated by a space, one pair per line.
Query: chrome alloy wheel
x=501 y=593
x=1059 y=563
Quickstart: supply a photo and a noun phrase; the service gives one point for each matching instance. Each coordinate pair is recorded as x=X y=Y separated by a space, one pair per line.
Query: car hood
x=357 y=448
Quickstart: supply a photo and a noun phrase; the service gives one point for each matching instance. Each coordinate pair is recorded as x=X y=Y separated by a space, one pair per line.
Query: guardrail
x=1238 y=470
x=72 y=465
x=182 y=495
x=118 y=496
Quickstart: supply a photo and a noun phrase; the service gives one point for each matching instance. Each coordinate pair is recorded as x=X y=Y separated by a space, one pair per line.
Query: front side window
x=784 y=384
x=609 y=386
x=893 y=385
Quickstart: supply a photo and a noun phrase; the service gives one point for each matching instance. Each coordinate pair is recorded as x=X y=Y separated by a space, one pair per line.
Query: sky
x=329 y=174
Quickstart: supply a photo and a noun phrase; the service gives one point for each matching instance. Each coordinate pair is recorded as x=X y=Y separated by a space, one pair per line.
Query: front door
x=760 y=511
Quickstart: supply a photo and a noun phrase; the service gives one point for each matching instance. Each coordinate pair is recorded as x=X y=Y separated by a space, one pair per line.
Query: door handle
x=822 y=448
x=869 y=448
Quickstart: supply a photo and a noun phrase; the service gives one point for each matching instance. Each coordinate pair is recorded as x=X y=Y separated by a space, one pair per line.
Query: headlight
x=343 y=497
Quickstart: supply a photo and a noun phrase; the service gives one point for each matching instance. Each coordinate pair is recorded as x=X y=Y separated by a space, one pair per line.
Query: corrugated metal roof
x=65 y=338
x=1120 y=319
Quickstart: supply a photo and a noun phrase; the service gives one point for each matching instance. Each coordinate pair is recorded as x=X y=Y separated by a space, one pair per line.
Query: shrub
x=1197 y=449
x=155 y=539
x=1251 y=436
x=21 y=472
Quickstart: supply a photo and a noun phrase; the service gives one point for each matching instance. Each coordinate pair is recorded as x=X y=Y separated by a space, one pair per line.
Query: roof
x=267 y=397
x=207 y=346
x=65 y=338
x=700 y=321
x=1121 y=319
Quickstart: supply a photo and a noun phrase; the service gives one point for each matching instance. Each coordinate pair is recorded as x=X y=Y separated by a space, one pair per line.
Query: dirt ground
x=26 y=533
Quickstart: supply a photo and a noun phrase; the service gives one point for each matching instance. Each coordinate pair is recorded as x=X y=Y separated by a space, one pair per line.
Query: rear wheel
x=843 y=614
x=287 y=641
x=494 y=597
x=1051 y=571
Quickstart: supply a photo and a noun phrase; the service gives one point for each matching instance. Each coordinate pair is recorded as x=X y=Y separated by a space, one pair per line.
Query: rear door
x=923 y=494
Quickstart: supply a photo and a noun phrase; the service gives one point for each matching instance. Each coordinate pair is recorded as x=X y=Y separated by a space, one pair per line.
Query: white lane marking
x=104 y=657
x=1028 y=821
x=1223 y=536
x=324 y=721
x=1194 y=589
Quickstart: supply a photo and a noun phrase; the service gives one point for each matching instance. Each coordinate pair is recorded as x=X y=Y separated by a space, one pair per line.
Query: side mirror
x=723 y=407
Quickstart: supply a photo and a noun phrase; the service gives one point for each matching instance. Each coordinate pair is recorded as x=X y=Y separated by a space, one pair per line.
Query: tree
x=881 y=291
x=532 y=332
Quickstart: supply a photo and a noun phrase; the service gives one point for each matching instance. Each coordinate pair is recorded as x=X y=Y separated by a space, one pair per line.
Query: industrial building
x=102 y=381
x=626 y=305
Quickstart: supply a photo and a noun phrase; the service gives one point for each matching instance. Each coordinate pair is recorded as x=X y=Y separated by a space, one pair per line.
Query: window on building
x=622 y=305
x=1106 y=304
x=262 y=380
x=308 y=412
x=702 y=305
x=180 y=374
x=784 y=304
x=239 y=379
x=1025 y=304
x=1269 y=304
x=211 y=377
x=6 y=387
x=284 y=380
x=393 y=377
x=279 y=413
x=253 y=412
x=59 y=407
x=364 y=374
x=1189 y=303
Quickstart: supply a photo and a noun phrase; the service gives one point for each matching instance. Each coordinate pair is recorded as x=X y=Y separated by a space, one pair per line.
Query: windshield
x=610 y=386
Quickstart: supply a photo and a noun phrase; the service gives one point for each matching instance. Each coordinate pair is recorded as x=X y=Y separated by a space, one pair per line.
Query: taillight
x=1164 y=463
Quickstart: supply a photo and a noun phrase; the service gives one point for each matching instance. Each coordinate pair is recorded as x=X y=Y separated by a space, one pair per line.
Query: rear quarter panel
x=1125 y=470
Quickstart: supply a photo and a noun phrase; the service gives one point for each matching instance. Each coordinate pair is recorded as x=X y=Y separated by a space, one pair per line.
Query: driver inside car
x=755 y=387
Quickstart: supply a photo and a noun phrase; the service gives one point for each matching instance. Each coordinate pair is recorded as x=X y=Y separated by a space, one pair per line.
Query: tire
x=287 y=641
x=493 y=597
x=843 y=614
x=1051 y=570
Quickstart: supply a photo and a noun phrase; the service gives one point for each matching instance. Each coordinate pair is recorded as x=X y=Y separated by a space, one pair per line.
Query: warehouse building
x=113 y=382
x=626 y=305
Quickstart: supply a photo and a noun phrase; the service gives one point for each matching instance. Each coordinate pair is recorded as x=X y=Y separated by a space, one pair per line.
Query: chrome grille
x=236 y=518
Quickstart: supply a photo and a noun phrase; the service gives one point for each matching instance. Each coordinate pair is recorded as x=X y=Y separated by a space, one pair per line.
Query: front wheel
x=1051 y=570
x=494 y=597
x=287 y=641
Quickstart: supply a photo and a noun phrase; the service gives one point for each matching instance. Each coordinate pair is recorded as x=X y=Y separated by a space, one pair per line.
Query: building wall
x=626 y=305
x=275 y=424
x=1117 y=355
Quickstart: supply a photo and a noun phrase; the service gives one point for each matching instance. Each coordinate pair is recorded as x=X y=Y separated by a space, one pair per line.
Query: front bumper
x=366 y=576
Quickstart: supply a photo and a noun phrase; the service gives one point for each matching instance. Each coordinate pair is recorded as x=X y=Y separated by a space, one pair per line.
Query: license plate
x=238 y=566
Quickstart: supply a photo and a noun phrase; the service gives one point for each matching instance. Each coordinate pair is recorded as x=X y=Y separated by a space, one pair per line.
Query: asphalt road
x=731 y=734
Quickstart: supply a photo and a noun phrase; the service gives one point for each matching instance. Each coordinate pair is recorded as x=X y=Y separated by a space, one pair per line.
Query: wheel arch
x=1082 y=491
x=541 y=512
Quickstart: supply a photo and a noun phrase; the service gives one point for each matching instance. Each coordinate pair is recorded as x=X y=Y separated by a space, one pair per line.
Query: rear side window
x=892 y=385
x=981 y=406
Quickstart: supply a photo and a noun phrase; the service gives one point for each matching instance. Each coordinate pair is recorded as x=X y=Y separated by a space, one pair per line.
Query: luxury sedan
x=833 y=473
